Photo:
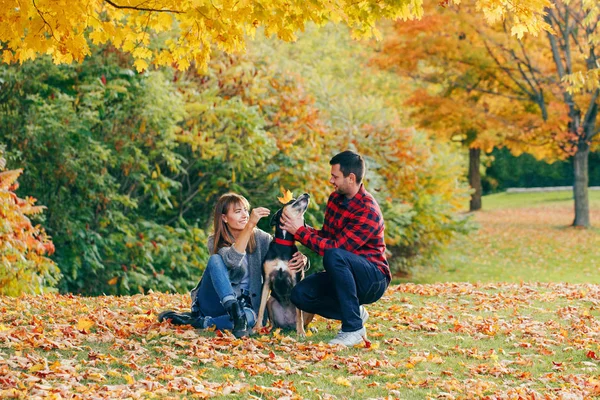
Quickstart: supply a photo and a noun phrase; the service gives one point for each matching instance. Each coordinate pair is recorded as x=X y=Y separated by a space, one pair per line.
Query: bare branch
x=554 y=46
x=507 y=71
x=591 y=114
x=138 y=8
x=41 y=14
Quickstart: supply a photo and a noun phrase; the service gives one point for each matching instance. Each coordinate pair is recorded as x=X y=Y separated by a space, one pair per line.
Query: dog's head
x=297 y=207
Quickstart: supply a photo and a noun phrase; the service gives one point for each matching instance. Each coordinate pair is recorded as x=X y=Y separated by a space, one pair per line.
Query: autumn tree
x=29 y=29
x=524 y=91
x=450 y=98
x=416 y=181
x=130 y=164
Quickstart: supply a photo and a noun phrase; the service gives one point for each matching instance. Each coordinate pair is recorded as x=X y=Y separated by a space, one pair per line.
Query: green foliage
x=417 y=182
x=24 y=267
x=94 y=140
x=524 y=170
x=130 y=165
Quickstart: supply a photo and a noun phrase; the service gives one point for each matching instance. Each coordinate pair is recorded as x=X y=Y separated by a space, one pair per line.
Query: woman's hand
x=298 y=262
x=258 y=213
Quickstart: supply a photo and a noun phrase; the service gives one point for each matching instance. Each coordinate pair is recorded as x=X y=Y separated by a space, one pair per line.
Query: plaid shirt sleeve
x=351 y=237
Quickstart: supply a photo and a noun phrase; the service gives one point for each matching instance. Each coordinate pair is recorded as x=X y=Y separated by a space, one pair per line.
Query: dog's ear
x=275 y=217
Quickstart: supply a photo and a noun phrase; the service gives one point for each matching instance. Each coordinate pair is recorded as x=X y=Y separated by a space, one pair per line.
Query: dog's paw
x=263 y=330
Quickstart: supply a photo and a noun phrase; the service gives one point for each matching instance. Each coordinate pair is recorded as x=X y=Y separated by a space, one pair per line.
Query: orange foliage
x=22 y=245
x=468 y=90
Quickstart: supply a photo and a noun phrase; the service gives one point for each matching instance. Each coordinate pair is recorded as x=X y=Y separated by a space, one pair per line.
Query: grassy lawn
x=523 y=237
x=447 y=341
x=522 y=324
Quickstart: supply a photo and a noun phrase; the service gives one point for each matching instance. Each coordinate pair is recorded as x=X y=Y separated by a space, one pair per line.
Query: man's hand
x=290 y=223
x=298 y=262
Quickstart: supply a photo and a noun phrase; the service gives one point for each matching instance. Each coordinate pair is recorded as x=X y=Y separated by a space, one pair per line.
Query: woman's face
x=236 y=217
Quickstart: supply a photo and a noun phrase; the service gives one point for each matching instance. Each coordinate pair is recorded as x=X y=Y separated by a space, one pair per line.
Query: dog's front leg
x=263 y=304
x=300 y=323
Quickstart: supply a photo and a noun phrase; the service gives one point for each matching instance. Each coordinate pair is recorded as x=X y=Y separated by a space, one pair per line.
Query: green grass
x=519 y=200
x=524 y=237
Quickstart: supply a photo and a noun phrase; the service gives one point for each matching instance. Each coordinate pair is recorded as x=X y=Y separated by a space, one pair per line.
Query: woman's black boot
x=240 y=323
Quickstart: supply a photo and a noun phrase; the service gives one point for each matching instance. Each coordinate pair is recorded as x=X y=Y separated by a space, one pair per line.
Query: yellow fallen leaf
x=113 y=373
x=94 y=376
x=287 y=196
x=343 y=381
x=36 y=367
x=84 y=325
x=129 y=379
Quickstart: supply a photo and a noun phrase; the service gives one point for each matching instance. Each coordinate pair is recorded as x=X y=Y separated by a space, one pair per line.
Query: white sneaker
x=350 y=339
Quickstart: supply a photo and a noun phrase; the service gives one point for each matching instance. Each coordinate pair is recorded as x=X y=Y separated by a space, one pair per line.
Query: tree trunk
x=475 y=179
x=580 y=187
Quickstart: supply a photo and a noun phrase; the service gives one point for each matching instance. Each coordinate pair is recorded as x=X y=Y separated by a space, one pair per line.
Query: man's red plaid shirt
x=355 y=225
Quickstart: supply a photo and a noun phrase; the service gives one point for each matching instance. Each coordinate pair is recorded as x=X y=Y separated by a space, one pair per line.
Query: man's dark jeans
x=336 y=293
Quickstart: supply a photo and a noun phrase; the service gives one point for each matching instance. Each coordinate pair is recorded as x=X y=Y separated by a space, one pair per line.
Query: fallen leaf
x=84 y=325
x=343 y=381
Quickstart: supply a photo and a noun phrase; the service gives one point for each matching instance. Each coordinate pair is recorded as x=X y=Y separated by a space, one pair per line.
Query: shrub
x=24 y=268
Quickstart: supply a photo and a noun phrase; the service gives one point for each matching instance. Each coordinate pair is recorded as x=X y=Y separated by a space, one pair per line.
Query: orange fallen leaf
x=113 y=281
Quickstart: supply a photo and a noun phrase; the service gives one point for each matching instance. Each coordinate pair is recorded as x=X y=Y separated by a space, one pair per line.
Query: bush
x=23 y=246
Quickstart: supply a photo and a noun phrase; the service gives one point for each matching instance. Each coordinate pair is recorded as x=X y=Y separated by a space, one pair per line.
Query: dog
x=279 y=280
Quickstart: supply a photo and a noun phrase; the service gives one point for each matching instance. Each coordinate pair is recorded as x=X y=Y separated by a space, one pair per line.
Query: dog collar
x=284 y=242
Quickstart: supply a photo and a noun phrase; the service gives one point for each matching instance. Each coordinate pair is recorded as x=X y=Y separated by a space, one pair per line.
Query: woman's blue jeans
x=212 y=292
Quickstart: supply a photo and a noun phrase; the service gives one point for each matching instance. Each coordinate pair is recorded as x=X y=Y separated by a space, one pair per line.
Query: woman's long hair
x=223 y=236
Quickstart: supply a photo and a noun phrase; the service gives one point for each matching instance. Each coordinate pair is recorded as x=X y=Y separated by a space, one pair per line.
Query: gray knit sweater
x=233 y=261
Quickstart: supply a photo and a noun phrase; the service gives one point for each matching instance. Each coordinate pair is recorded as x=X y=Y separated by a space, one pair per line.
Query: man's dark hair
x=350 y=163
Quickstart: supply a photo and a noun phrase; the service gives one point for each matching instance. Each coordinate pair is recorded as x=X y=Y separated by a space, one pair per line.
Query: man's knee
x=332 y=257
x=299 y=295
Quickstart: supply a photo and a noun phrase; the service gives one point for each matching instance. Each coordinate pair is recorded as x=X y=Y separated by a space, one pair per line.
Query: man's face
x=340 y=183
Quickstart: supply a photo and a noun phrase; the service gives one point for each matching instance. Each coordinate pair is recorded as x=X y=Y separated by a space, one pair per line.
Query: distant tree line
x=524 y=171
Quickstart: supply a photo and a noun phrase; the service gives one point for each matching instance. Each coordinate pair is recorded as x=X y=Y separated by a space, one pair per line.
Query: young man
x=351 y=243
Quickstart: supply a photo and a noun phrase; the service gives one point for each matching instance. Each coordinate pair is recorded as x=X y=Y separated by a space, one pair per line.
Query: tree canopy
x=145 y=29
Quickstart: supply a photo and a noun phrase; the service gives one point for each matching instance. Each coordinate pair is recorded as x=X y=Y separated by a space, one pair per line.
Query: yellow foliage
x=30 y=29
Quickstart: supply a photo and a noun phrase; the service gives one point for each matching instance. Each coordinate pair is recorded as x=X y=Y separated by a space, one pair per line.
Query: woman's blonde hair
x=223 y=236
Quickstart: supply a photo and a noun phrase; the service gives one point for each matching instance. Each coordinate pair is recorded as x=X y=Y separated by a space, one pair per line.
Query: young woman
x=228 y=295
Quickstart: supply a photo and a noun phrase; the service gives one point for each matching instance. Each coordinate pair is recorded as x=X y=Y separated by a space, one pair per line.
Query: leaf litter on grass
x=453 y=340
